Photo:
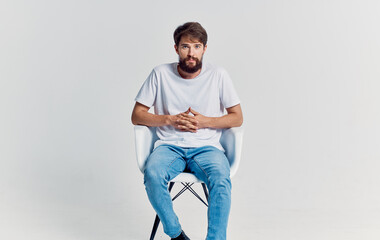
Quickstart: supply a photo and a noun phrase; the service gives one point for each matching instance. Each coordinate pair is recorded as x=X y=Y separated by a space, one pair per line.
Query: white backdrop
x=307 y=73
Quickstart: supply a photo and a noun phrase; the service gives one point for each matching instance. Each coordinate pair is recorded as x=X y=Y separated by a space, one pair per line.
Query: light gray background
x=308 y=76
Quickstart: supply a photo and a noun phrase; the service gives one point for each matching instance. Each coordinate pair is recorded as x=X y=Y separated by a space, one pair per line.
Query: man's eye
x=198 y=46
x=184 y=46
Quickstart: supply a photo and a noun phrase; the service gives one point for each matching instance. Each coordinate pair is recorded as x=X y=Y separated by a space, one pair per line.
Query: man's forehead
x=189 y=39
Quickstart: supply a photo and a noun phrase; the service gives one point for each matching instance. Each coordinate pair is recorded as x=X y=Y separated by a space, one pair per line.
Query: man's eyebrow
x=190 y=44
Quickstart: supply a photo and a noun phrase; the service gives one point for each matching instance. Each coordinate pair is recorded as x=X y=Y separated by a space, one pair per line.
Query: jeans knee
x=220 y=190
x=153 y=176
x=220 y=183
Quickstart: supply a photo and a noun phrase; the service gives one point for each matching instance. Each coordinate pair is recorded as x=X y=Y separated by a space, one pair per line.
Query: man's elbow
x=239 y=119
x=134 y=119
x=239 y=122
x=236 y=116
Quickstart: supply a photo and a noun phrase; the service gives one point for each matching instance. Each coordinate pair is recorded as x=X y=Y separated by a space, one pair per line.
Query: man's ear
x=204 y=49
x=176 y=49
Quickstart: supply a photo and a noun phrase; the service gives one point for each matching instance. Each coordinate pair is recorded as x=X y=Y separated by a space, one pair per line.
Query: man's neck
x=187 y=75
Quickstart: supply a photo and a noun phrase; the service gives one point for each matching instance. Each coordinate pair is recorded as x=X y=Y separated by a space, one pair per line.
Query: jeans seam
x=175 y=158
x=201 y=169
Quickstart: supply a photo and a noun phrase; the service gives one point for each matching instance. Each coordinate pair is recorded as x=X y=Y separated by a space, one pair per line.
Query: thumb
x=188 y=111
x=193 y=112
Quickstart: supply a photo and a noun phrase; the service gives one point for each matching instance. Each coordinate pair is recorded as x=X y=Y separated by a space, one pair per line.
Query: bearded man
x=190 y=99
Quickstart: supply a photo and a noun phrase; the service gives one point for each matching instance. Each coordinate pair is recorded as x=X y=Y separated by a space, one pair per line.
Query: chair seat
x=186 y=177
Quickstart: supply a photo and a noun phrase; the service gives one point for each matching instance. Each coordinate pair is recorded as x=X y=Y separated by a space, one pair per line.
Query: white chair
x=145 y=137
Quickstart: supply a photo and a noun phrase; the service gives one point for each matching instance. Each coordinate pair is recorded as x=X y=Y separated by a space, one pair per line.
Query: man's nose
x=191 y=51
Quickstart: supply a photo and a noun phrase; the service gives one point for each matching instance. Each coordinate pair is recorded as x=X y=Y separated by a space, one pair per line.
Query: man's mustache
x=192 y=58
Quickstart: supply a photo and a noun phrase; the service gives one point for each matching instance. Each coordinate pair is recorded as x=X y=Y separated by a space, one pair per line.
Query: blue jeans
x=207 y=163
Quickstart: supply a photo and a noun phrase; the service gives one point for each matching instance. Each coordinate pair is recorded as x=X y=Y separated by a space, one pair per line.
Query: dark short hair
x=192 y=29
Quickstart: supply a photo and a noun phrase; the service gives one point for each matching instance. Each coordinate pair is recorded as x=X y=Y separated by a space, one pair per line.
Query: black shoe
x=182 y=236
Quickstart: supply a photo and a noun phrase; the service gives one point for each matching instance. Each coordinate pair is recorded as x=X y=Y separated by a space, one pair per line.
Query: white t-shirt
x=209 y=94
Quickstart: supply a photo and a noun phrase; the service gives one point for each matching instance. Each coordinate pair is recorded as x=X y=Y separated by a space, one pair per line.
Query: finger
x=187 y=121
x=192 y=119
x=185 y=128
x=186 y=117
x=193 y=112
x=192 y=127
x=183 y=124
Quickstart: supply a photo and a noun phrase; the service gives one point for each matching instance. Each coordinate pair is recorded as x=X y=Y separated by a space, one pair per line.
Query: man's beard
x=190 y=69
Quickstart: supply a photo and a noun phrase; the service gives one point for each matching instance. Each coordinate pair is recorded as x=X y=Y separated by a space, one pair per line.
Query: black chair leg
x=157 y=219
x=205 y=190
x=155 y=226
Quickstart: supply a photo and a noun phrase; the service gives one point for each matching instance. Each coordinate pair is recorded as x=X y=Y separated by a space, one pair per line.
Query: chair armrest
x=145 y=137
x=232 y=141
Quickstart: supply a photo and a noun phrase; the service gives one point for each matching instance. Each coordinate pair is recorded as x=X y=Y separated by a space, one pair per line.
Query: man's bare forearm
x=182 y=121
x=234 y=118
x=141 y=117
x=226 y=121
x=186 y=122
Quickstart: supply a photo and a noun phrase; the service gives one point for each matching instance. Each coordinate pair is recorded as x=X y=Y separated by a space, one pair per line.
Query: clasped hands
x=187 y=122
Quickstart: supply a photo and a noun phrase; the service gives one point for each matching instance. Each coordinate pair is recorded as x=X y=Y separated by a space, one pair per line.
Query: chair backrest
x=145 y=137
x=231 y=140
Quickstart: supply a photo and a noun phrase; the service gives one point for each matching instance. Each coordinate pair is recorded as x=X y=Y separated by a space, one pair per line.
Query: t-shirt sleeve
x=227 y=92
x=148 y=91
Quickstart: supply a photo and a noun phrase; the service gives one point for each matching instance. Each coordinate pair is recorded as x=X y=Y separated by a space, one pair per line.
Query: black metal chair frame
x=186 y=186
